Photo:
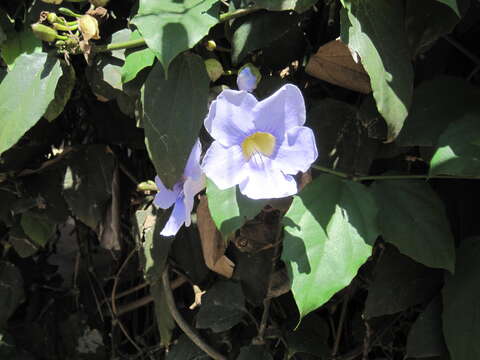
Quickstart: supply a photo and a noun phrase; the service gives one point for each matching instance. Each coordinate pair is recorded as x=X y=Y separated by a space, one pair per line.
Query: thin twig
x=259 y=340
x=341 y=321
x=191 y=333
x=462 y=49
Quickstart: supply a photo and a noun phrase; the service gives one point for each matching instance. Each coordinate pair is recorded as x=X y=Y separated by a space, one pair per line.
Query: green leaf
x=38 y=228
x=412 y=217
x=375 y=30
x=425 y=22
x=453 y=4
x=25 y=94
x=104 y=75
x=254 y=352
x=185 y=349
x=329 y=230
x=136 y=60
x=458 y=150
x=435 y=106
x=311 y=337
x=461 y=301
x=64 y=89
x=11 y=291
x=258 y=30
x=426 y=337
x=230 y=209
x=19 y=43
x=170 y=27
x=396 y=271
x=174 y=110
x=88 y=183
x=223 y=306
x=165 y=321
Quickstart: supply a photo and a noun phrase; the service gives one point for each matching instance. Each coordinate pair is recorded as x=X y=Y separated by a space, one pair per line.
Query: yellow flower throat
x=259 y=142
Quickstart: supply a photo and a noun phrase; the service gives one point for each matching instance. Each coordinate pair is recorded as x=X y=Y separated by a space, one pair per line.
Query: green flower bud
x=68 y=12
x=55 y=2
x=210 y=45
x=214 y=69
x=44 y=32
x=52 y=17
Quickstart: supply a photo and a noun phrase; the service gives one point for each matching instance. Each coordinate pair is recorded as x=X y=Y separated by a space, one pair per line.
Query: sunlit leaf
x=329 y=230
x=375 y=30
x=170 y=26
x=25 y=94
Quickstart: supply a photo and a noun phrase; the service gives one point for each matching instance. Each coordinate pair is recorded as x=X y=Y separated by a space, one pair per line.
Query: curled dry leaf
x=335 y=63
x=88 y=26
x=213 y=245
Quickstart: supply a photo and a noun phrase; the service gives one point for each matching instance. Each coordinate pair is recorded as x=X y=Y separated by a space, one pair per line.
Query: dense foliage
x=110 y=111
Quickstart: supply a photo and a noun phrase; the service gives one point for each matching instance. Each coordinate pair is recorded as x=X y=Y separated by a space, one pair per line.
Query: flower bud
x=52 y=17
x=44 y=32
x=214 y=69
x=248 y=77
x=210 y=45
x=89 y=27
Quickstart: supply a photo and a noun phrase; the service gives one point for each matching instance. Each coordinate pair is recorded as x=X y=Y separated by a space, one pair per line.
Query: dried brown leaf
x=335 y=64
x=213 y=245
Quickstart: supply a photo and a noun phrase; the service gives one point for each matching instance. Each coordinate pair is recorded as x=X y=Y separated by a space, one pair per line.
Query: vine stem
x=237 y=13
x=120 y=45
x=182 y=324
x=389 y=177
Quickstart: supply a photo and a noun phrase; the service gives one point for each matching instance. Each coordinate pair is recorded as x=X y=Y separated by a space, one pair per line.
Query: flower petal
x=191 y=188
x=176 y=220
x=165 y=197
x=225 y=166
x=264 y=181
x=230 y=118
x=280 y=111
x=297 y=152
x=192 y=168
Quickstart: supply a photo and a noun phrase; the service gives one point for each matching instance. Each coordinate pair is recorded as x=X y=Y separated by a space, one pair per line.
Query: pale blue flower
x=183 y=193
x=259 y=145
x=246 y=79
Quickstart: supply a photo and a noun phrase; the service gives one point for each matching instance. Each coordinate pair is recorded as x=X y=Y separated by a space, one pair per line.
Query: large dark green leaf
x=38 y=228
x=330 y=228
x=396 y=271
x=259 y=30
x=435 y=106
x=412 y=217
x=171 y=26
x=426 y=337
x=174 y=109
x=426 y=21
x=375 y=30
x=185 y=349
x=25 y=94
x=88 y=183
x=461 y=303
x=230 y=209
x=223 y=306
x=458 y=150
x=254 y=352
x=310 y=337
